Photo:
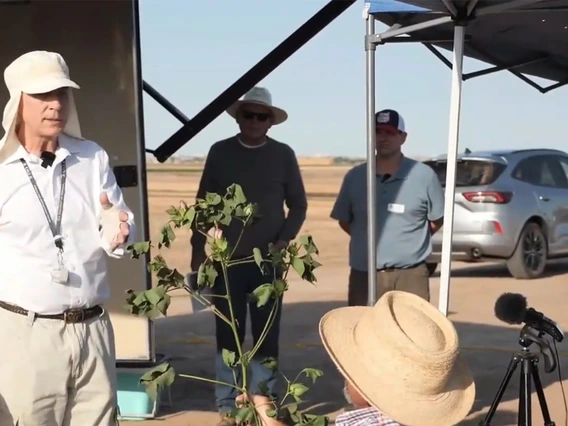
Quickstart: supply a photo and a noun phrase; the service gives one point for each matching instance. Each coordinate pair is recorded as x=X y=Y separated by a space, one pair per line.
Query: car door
x=545 y=179
x=561 y=194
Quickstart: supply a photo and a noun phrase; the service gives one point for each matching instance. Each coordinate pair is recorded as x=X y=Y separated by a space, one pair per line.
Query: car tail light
x=493 y=197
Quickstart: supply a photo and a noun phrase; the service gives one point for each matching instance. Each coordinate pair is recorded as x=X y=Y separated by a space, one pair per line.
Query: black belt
x=72 y=316
x=392 y=269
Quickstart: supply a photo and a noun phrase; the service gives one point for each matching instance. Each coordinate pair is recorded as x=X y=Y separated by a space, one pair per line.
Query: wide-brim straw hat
x=402 y=356
x=259 y=96
x=35 y=73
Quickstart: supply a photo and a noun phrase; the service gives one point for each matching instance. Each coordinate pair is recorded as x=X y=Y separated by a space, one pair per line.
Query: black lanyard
x=55 y=227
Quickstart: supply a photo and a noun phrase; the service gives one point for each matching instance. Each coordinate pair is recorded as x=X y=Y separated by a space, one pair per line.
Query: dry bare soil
x=487 y=344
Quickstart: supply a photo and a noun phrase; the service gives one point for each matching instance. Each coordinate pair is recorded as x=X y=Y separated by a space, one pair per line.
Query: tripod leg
x=510 y=370
x=540 y=394
x=525 y=407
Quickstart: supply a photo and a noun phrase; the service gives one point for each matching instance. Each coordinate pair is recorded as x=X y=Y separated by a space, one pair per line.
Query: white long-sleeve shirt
x=28 y=254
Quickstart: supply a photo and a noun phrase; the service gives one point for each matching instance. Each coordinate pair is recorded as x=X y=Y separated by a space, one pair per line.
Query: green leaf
x=292 y=407
x=157 y=263
x=312 y=373
x=308 y=243
x=206 y=275
x=138 y=249
x=229 y=358
x=299 y=266
x=315 y=420
x=158 y=378
x=167 y=236
x=262 y=294
x=280 y=286
x=258 y=259
x=298 y=389
x=245 y=415
x=272 y=413
x=270 y=363
x=235 y=193
x=155 y=295
x=220 y=249
x=189 y=217
x=212 y=199
x=164 y=304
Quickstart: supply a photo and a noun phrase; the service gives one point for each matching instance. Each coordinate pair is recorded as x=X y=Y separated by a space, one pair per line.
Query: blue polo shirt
x=406 y=203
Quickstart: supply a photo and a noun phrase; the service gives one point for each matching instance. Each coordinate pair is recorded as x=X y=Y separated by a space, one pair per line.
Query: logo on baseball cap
x=390 y=120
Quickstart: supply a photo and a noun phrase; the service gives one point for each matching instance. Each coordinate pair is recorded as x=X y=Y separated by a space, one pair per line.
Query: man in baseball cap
x=410 y=207
x=61 y=214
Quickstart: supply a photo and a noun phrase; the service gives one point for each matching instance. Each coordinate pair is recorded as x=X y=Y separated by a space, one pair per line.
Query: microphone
x=47 y=159
x=511 y=308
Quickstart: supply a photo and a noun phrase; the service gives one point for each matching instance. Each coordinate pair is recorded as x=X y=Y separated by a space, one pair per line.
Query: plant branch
x=216 y=382
x=234 y=325
x=267 y=327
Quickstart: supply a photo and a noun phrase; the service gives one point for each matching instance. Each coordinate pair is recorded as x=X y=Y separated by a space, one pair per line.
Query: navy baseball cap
x=390 y=120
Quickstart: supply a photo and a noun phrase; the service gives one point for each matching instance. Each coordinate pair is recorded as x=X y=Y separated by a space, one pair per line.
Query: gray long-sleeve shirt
x=270 y=176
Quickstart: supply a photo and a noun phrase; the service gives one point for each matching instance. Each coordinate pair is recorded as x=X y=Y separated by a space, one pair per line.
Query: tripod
x=529 y=373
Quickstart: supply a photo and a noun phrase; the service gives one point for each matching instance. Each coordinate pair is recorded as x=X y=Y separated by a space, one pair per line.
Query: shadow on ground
x=189 y=341
x=499 y=270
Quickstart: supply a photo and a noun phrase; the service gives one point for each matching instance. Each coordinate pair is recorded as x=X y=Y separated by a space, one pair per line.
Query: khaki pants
x=56 y=374
x=413 y=280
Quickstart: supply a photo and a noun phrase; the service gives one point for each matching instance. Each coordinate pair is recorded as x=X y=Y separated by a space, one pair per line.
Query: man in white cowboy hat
x=61 y=214
x=269 y=174
x=401 y=361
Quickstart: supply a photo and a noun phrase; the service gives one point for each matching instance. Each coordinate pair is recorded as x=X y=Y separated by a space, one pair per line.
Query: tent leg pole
x=371 y=167
x=453 y=142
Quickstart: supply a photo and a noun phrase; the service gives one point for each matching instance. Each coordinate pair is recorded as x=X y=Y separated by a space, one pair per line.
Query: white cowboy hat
x=402 y=356
x=34 y=73
x=259 y=96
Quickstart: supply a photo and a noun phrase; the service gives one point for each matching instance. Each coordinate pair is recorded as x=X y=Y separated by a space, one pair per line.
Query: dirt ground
x=188 y=338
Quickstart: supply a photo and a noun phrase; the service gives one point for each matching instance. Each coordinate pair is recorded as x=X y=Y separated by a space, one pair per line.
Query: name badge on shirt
x=395 y=208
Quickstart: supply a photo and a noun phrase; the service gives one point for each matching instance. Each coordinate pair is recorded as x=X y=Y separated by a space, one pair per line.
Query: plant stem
x=267 y=326
x=203 y=379
x=240 y=236
x=248 y=259
x=234 y=325
x=205 y=303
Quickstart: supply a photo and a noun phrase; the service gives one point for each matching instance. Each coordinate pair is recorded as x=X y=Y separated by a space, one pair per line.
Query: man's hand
x=111 y=218
x=262 y=405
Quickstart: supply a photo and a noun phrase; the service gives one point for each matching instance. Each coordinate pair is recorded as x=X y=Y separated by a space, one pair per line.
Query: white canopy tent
x=508 y=34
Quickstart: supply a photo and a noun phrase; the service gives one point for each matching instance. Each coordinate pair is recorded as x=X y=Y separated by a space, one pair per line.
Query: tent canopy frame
x=460 y=16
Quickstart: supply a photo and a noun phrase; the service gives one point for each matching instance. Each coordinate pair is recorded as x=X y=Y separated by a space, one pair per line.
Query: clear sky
x=192 y=50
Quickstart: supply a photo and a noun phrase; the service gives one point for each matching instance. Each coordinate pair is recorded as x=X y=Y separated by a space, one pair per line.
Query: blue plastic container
x=133 y=401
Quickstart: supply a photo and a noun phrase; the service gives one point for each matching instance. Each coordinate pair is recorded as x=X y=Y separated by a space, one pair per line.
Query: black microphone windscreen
x=511 y=308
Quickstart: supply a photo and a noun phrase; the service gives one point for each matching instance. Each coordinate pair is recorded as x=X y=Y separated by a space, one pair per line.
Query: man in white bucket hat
x=61 y=214
x=269 y=174
x=401 y=361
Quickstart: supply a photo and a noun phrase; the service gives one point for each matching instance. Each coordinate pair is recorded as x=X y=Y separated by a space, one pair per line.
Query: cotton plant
x=208 y=216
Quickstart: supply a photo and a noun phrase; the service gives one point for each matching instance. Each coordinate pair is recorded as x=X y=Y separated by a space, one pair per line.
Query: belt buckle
x=74 y=316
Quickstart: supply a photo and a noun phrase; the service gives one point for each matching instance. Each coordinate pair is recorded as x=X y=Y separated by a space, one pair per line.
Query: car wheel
x=529 y=259
x=431 y=268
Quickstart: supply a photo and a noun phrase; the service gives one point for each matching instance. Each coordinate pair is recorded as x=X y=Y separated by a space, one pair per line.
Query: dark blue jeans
x=243 y=280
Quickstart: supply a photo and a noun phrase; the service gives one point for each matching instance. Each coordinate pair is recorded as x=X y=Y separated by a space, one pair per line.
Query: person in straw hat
x=269 y=175
x=61 y=214
x=401 y=361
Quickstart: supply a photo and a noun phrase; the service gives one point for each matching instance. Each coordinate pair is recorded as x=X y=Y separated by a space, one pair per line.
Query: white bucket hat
x=259 y=96
x=35 y=73
x=402 y=356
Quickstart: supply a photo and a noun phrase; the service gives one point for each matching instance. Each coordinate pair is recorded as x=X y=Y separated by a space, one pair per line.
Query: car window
x=563 y=162
x=469 y=172
x=541 y=171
